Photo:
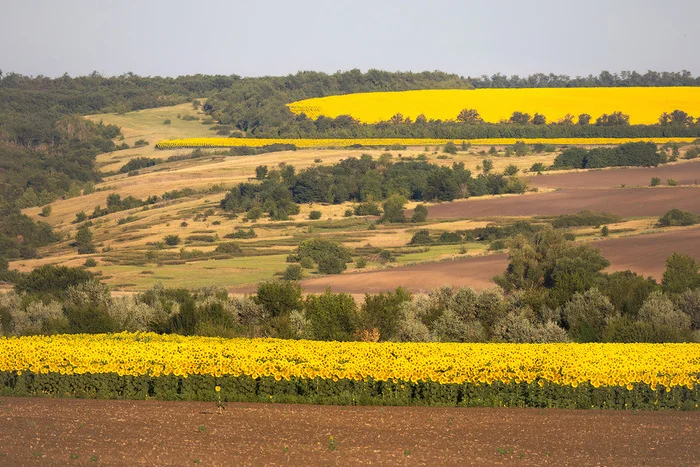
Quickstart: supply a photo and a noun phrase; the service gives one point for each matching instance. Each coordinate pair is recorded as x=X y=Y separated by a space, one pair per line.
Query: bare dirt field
x=686 y=173
x=644 y=254
x=622 y=201
x=87 y=432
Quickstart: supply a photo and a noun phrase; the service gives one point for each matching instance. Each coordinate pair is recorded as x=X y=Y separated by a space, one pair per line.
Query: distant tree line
x=624 y=155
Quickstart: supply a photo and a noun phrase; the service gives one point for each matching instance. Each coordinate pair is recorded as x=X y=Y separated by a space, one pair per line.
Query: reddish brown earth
x=687 y=173
x=643 y=254
x=629 y=202
x=91 y=432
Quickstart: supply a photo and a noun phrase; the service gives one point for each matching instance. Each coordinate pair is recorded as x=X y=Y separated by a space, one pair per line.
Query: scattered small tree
x=393 y=209
x=171 y=240
x=83 y=240
x=420 y=213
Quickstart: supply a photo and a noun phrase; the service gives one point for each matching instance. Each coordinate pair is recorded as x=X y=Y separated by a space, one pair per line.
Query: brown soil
x=622 y=201
x=643 y=254
x=70 y=431
x=684 y=173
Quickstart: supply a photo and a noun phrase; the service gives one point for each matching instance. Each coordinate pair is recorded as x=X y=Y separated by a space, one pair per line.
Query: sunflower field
x=147 y=365
x=644 y=105
x=305 y=143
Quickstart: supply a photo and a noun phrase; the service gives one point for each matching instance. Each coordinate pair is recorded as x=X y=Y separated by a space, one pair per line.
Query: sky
x=270 y=37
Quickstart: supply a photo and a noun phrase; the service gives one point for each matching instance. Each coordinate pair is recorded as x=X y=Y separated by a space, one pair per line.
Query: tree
x=261 y=172
x=470 y=116
x=383 y=312
x=332 y=317
x=584 y=119
x=393 y=209
x=510 y=170
x=83 y=240
x=681 y=274
x=171 y=240
x=420 y=213
x=293 y=273
x=519 y=118
x=52 y=281
x=539 y=119
x=279 y=298
x=487 y=165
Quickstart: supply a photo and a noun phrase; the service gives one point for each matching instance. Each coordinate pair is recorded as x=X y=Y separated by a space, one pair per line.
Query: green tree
x=450 y=148
x=393 y=209
x=382 y=311
x=470 y=116
x=420 y=213
x=261 y=172
x=279 y=298
x=681 y=274
x=487 y=165
x=332 y=317
x=83 y=240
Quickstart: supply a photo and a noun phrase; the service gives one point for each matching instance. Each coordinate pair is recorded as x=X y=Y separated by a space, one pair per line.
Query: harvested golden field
x=644 y=105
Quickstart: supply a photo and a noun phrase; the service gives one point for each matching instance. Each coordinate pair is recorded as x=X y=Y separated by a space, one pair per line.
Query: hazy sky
x=255 y=37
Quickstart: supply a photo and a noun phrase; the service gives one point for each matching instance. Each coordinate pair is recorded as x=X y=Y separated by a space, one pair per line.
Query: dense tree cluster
x=364 y=180
x=624 y=155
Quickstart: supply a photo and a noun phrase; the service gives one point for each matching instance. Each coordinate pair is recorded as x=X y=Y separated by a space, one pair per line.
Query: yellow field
x=644 y=105
x=139 y=354
x=339 y=142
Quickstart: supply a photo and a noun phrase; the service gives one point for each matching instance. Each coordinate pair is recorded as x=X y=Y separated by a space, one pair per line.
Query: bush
x=450 y=148
x=671 y=182
x=292 y=273
x=510 y=170
x=585 y=218
x=45 y=211
x=83 y=240
x=367 y=209
x=605 y=231
x=393 y=209
x=229 y=248
x=307 y=262
x=138 y=163
x=655 y=181
x=90 y=263
x=538 y=167
x=360 y=263
x=315 y=215
x=422 y=237
x=331 y=264
x=676 y=217
x=172 y=240
x=167 y=121
x=681 y=274
x=140 y=143
x=202 y=238
x=450 y=237
x=420 y=213
x=242 y=233
x=585 y=315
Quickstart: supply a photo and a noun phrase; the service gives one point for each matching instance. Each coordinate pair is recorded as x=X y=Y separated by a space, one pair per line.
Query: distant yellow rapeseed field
x=347 y=142
x=644 y=105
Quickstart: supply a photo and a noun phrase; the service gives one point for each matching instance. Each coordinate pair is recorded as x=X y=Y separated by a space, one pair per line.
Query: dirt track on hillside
x=94 y=432
x=643 y=254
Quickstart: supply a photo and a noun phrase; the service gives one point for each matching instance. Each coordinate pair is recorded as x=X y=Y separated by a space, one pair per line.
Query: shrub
x=367 y=209
x=510 y=170
x=292 y=273
x=38 y=318
x=585 y=218
x=45 y=211
x=140 y=143
x=90 y=263
x=450 y=148
x=386 y=256
x=676 y=217
x=360 y=263
x=537 y=167
x=671 y=182
x=393 y=209
x=422 y=237
x=659 y=311
x=172 y=239
x=605 y=231
x=307 y=262
x=242 y=233
x=450 y=237
x=348 y=213
x=689 y=303
x=448 y=327
x=315 y=215
x=229 y=248
x=202 y=238
x=420 y=213
x=167 y=121
x=138 y=163
x=655 y=181
x=331 y=264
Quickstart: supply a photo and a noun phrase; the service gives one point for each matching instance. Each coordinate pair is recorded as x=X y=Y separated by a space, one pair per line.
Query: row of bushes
x=347 y=392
